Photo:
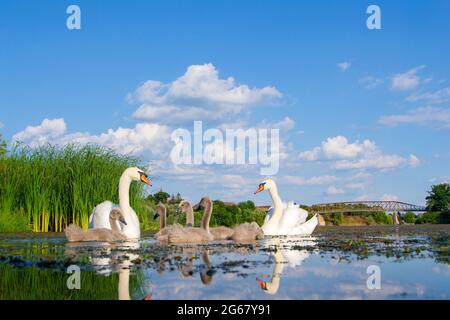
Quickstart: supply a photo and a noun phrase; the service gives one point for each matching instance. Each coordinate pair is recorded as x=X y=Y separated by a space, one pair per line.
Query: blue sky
x=378 y=129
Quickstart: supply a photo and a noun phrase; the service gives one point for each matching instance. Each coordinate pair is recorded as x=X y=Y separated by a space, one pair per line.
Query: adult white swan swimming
x=282 y=218
x=100 y=216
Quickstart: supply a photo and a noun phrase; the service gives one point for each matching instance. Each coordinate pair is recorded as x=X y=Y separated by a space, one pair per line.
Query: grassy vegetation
x=357 y=218
x=32 y=283
x=46 y=188
x=434 y=218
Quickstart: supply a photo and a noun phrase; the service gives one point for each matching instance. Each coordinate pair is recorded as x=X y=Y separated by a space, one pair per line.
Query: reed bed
x=45 y=189
x=33 y=283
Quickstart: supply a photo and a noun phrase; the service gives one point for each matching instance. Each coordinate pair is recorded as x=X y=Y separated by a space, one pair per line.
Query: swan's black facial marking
x=144 y=178
x=122 y=220
x=155 y=216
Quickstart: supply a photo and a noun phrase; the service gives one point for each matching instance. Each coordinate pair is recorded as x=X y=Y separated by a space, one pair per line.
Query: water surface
x=414 y=263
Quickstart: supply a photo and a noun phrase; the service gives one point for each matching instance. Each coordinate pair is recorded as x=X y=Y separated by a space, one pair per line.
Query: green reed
x=33 y=283
x=50 y=187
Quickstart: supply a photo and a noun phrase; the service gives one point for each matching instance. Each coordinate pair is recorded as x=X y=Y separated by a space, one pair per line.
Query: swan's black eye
x=143 y=174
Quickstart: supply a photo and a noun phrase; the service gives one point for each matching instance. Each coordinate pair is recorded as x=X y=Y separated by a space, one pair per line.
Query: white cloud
x=344 y=66
x=1 y=125
x=406 y=81
x=389 y=197
x=286 y=124
x=332 y=190
x=437 y=97
x=370 y=82
x=377 y=161
x=441 y=179
x=149 y=137
x=338 y=148
x=311 y=155
x=437 y=117
x=301 y=181
x=357 y=155
x=198 y=94
x=46 y=132
x=174 y=114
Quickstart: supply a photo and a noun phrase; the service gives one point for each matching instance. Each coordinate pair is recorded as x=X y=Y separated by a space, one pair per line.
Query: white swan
x=100 y=216
x=285 y=253
x=282 y=218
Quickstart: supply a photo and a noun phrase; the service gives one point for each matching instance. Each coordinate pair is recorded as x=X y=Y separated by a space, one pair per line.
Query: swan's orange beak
x=149 y=296
x=146 y=180
x=262 y=284
x=260 y=188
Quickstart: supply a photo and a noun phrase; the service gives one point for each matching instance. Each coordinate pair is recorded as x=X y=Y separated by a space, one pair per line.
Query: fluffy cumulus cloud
x=47 y=132
x=198 y=94
x=356 y=155
x=408 y=80
x=149 y=137
x=432 y=116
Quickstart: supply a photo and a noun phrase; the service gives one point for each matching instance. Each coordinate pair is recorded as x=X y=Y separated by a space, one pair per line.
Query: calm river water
x=335 y=263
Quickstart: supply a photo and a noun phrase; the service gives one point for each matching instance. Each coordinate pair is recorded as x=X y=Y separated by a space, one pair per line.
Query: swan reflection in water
x=290 y=251
x=107 y=258
x=187 y=268
x=120 y=257
x=123 y=257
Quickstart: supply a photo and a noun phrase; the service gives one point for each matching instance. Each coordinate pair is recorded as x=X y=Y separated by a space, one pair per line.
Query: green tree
x=247 y=205
x=409 y=217
x=380 y=217
x=444 y=217
x=161 y=196
x=438 y=198
x=338 y=218
x=428 y=217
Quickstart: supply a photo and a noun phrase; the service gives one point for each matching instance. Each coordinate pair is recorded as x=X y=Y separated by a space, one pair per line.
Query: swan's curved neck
x=276 y=200
x=124 y=196
x=207 y=215
x=124 y=286
x=274 y=284
x=189 y=217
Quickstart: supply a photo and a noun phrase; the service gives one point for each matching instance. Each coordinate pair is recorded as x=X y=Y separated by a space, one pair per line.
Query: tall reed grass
x=33 y=283
x=44 y=189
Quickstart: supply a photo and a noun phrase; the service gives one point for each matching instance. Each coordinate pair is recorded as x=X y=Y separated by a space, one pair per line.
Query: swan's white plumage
x=100 y=215
x=290 y=219
x=100 y=219
x=293 y=216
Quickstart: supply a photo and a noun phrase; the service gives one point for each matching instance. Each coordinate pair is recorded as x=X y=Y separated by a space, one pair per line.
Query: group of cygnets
x=75 y=234
x=176 y=233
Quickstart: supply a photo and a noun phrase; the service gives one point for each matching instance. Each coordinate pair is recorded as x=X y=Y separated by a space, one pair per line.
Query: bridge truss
x=369 y=206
